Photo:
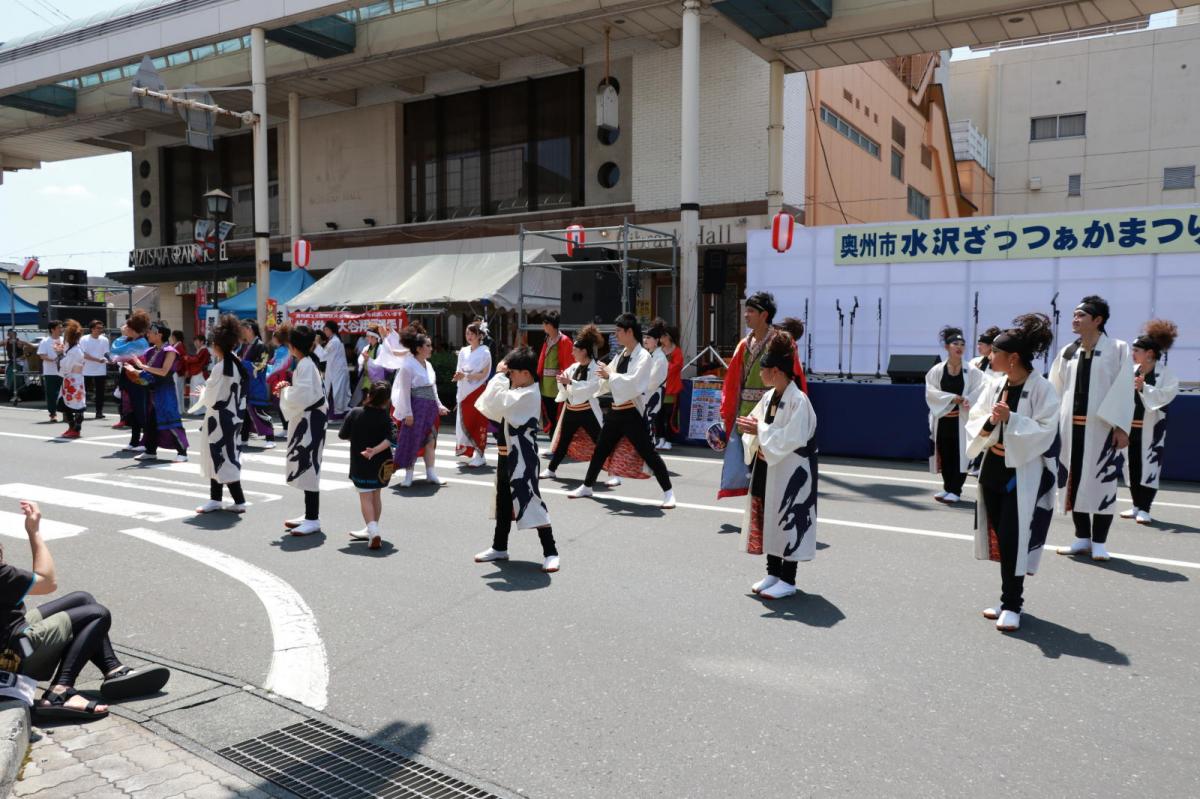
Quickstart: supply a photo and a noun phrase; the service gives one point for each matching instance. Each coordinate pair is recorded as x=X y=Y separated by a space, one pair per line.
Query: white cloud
x=68 y=190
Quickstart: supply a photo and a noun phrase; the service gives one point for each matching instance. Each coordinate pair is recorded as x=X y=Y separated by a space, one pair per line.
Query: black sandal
x=128 y=682
x=56 y=708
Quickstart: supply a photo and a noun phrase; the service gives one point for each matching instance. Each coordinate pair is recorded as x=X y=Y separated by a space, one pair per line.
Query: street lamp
x=216 y=202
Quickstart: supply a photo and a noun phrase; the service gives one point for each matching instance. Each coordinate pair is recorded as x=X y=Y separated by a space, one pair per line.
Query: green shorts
x=49 y=638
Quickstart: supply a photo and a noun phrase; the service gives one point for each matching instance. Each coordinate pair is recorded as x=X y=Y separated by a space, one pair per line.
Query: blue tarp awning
x=27 y=312
x=283 y=286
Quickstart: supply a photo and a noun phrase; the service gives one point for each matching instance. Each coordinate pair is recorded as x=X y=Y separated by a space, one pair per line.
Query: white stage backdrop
x=918 y=299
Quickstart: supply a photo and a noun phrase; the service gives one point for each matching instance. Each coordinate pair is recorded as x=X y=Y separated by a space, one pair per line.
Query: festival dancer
x=779 y=437
x=337 y=372
x=1155 y=386
x=164 y=426
x=370 y=432
x=416 y=407
x=280 y=368
x=258 y=396
x=72 y=397
x=196 y=371
x=471 y=374
x=744 y=387
x=983 y=347
x=653 y=401
x=223 y=402
x=511 y=400
x=629 y=383
x=668 y=419
x=555 y=356
x=304 y=406
x=133 y=400
x=1014 y=426
x=951 y=387
x=579 y=420
x=1095 y=385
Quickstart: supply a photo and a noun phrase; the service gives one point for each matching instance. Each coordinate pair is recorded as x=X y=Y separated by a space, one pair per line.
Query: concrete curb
x=14 y=742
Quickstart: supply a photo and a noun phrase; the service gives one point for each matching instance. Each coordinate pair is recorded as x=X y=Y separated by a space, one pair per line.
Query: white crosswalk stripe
x=13 y=526
x=157 y=485
x=94 y=503
x=275 y=478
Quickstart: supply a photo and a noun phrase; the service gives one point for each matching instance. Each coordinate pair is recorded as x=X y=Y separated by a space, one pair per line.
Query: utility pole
x=262 y=214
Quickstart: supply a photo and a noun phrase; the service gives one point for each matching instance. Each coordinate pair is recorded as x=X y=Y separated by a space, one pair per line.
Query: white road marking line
x=13 y=526
x=250 y=475
x=143 y=483
x=94 y=503
x=299 y=667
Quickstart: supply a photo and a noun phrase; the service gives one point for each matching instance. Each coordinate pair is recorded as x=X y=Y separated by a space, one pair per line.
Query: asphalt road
x=645 y=668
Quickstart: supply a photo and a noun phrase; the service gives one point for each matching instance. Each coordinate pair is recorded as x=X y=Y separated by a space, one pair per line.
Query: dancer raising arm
x=579 y=419
x=950 y=390
x=1154 y=387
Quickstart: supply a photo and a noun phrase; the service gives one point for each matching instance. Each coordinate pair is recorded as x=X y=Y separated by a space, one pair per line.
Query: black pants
x=97 y=385
x=550 y=409
x=947 y=446
x=215 y=492
x=312 y=505
x=504 y=512
x=90 y=622
x=152 y=436
x=783 y=569
x=572 y=422
x=1004 y=519
x=74 y=418
x=1092 y=525
x=662 y=421
x=1143 y=497
x=630 y=424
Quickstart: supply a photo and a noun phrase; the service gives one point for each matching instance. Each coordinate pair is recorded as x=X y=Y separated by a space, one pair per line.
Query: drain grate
x=316 y=761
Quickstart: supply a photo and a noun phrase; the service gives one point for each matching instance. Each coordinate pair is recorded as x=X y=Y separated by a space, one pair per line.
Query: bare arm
x=45 y=581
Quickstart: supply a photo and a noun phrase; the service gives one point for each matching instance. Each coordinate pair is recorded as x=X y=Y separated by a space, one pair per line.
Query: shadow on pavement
x=517 y=575
x=215 y=521
x=911 y=497
x=299 y=543
x=733 y=529
x=419 y=488
x=617 y=507
x=1168 y=527
x=811 y=609
x=1055 y=641
x=359 y=548
x=1141 y=571
x=409 y=738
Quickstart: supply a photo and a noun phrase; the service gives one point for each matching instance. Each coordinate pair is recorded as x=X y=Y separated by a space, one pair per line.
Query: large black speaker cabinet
x=82 y=312
x=910 y=368
x=590 y=295
x=716 y=268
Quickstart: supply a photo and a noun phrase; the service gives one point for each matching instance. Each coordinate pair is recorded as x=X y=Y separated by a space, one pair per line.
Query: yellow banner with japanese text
x=1157 y=230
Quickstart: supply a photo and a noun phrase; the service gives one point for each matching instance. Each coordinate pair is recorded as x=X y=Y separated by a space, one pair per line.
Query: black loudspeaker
x=590 y=295
x=82 y=312
x=66 y=286
x=76 y=277
x=910 y=368
x=716 y=265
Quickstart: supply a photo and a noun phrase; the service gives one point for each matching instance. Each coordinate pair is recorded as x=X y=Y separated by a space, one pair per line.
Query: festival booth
x=281 y=288
x=898 y=284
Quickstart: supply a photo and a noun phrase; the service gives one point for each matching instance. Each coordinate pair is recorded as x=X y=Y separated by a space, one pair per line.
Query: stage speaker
x=82 y=312
x=716 y=267
x=77 y=277
x=66 y=286
x=590 y=296
x=910 y=368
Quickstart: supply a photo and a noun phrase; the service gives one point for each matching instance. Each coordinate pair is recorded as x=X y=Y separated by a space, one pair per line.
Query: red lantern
x=575 y=238
x=301 y=253
x=30 y=269
x=781 y=231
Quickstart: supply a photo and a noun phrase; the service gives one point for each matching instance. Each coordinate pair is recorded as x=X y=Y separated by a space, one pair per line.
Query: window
x=898 y=165
x=898 y=132
x=229 y=46
x=178 y=59
x=847 y=96
x=110 y=74
x=1179 y=177
x=849 y=131
x=203 y=51
x=374 y=10
x=461 y=158
x=1063 y=126
x=1074 y=185
x=918 y=204
x=508 y=149
x=926 y=157
x=559 y=146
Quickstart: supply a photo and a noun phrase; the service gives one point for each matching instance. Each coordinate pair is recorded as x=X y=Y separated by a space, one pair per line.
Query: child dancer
x=304 y=406
x=512 y=401
x=370 y=432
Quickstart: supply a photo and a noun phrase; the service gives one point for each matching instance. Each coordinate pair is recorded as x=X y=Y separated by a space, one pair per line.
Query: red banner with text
x=349 y=322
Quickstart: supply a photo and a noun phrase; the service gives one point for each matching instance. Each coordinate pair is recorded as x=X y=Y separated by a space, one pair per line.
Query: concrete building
x=1108 y=122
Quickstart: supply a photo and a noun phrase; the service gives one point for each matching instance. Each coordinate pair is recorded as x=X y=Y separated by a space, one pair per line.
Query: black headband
x=1089 y=309
x=1147 y=343
x=953 y=337
x=984 y=338
x=760 y=304
x=1013 y=341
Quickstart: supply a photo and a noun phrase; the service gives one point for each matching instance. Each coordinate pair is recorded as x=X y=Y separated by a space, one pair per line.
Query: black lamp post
x=217 y=203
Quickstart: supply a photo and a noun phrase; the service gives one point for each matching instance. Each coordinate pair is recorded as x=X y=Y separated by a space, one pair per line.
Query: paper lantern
x=781 y=231
x=575 y=238
x=301 y=253
x=30 y=269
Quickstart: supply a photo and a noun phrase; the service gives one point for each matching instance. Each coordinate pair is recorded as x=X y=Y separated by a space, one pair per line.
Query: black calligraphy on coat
x=1110 y=465
x=794 y=513
x=1154 y=458
x=305 y=454
x=225 y=423
x=522 y=463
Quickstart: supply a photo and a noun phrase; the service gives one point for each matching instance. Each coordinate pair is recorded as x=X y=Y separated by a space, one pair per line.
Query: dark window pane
x=558 y=140
x=462 y=164
x=1071 y=125
x=420 y=161
x=508 y=136
x=1043 y=128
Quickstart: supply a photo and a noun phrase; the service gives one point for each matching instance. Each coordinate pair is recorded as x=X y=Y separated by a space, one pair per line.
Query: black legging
x=573 y=421
x=550 y=409
x=312 y=505
x=1092 y=525
x=947 y=446
x=1143 y=497
x=785 y=570
x=628 y=423
x=90 y=622
x=504 y=511
x=97 y=384
x=1003 y=518
x=235 y=491
x=74 y=418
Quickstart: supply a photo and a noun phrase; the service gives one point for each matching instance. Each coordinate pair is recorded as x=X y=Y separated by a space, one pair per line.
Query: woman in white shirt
x=471 y=374
x=416 y=408
x=95 y=367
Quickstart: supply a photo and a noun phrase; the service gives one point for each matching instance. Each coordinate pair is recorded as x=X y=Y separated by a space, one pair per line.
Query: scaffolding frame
x=625 y=239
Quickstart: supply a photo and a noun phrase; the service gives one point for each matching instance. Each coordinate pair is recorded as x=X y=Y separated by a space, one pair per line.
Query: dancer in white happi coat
x=1155 y=386
x=512 y=400
x=951 y=388
x=578 y=427
x=983 y=347
x=779 y=437
x=223 y=401
x=656 y=387
x=1014 y=428
x=305 y=408
x=337 y=372
x=471 y=373
x=1095 y=385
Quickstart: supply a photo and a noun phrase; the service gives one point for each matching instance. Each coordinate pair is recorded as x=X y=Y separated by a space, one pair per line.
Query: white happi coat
x=788 y=445
x=652 y=401
x=1110 y=405
x=223 y=399
x=305 y=407
x=1031 y=447
x=942 y=402
x=634 y=384
x=519 y=410
x=337 y=377
x=578 y=392
x=1156 y=398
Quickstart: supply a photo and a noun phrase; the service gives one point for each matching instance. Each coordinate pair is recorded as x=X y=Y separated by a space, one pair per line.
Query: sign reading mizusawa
x=1160 y=230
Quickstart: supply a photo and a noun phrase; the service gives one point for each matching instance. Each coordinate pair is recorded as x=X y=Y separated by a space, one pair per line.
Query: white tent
x=436 y=280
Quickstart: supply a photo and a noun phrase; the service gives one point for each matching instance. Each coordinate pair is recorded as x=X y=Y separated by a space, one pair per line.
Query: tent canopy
x=436 y=280
x=283 y=286
x=26 y=312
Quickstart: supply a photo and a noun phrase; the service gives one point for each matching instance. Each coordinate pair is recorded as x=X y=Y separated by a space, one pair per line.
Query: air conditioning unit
x=1035 y=184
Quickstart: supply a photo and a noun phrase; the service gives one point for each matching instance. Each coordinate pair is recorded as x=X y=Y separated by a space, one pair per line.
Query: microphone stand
x=879 y=339
x=850 y=363
x=807 y=339
x=1054 y=312
x=841 y=326
x=975 y=316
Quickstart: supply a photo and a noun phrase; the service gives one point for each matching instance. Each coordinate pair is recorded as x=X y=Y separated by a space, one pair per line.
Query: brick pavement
x=116 y=758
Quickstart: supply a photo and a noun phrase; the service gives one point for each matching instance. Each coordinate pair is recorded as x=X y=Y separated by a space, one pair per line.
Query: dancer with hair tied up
x=1014 y=426
x=1154 y=387
x=579 y=417
x=416 y=407
x=164 y=425
x=983 y=347
x=258 y=395
x=306 y=409
x=223 y=401
x=951 y=387
x=72 y=397
x=471 y=374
